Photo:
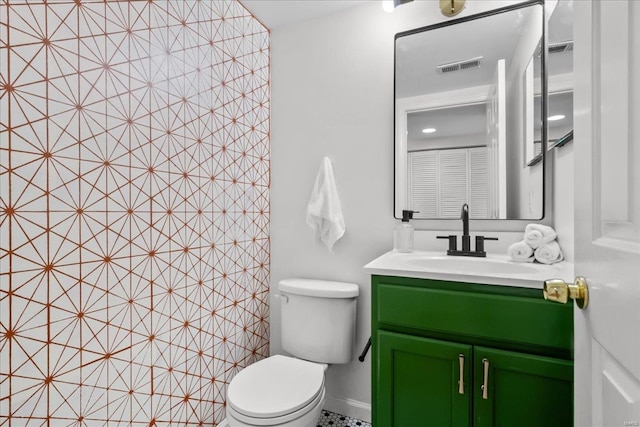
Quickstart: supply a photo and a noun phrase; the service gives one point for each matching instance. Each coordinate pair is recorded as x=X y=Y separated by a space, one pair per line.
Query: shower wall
x=134 y=209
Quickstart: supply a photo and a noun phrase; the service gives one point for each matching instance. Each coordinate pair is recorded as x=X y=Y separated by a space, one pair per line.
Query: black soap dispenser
x=403 y=236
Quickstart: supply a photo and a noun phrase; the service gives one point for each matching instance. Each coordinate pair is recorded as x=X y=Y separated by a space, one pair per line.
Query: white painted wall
x=332 y=95
x=524 y=189
x=561 y=167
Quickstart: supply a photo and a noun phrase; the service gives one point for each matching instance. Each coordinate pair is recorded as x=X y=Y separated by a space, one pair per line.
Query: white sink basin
x=492 y=270
x=470 y=265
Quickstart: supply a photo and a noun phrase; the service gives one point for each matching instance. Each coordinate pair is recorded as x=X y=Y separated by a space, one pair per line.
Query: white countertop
x=492 y=270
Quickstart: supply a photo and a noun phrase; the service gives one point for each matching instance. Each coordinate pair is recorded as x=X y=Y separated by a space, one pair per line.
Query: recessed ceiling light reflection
x=388 y=6
x=428 y=130
x=556 y=117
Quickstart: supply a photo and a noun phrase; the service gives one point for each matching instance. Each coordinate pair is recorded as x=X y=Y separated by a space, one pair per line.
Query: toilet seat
x=309 y=413
x=275 y=390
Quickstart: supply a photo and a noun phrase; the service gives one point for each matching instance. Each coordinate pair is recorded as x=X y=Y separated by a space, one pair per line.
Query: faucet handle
x=480 y=242
x=453 y=241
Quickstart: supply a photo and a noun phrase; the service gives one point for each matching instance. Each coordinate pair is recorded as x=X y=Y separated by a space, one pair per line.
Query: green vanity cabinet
x=523 y=389
x=420 y=376
x=428 y=335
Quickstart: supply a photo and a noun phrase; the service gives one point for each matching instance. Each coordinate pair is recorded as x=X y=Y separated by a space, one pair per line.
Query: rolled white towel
x=548 y=253
x=520 y=252
x=538 y=234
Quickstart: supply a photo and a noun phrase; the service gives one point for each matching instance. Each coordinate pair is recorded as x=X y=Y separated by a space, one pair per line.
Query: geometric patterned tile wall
x=134 y=209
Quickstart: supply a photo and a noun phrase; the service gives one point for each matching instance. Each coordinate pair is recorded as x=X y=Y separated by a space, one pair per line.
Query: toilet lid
x=275 y=386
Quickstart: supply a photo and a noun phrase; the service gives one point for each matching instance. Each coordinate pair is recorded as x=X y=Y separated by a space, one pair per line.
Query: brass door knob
x=560 y=291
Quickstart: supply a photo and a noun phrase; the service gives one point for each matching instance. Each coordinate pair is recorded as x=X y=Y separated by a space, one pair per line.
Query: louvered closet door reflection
x=441 y=181
x=423 y=183
x=478 y=182
x=453 y=182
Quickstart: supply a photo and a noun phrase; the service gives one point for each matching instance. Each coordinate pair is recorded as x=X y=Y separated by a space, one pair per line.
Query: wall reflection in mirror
x=560 y=74
x=559 y=85
x=463 y=116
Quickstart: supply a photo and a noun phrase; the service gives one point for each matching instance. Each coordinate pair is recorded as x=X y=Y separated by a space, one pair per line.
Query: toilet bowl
x=277 y=391
x=318 y=328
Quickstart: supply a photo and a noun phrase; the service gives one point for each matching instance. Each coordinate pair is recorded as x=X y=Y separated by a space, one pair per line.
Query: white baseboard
x=349 y=407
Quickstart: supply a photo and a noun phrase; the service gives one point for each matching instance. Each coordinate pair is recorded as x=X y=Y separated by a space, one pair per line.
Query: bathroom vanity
x=468 y=342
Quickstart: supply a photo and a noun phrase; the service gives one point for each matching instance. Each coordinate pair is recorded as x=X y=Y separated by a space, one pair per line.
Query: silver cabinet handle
x=485 y=380
x=461 y=380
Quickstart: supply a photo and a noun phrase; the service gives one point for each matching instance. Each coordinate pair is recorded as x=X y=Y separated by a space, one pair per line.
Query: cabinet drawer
x=517 y=319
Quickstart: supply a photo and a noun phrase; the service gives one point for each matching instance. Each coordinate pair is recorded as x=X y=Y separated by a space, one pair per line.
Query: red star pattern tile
x=134 y=209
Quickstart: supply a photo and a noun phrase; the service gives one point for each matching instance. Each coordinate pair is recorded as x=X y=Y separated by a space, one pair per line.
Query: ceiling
x=492 y=38
x=281 y=13
x=455 y=121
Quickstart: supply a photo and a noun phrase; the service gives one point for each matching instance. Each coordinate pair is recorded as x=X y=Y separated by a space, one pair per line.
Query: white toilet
x=318 y=327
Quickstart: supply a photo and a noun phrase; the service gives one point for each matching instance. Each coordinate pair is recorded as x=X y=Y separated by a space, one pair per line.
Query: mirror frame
x=399 y=157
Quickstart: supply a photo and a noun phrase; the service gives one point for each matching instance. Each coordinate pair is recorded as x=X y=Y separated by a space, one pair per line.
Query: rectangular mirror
x=465 y=116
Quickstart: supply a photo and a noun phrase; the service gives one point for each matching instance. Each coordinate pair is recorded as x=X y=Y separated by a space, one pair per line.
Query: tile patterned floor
x=330 y=419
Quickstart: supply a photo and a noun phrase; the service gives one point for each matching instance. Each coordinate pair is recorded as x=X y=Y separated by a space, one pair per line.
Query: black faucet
x=466 y=239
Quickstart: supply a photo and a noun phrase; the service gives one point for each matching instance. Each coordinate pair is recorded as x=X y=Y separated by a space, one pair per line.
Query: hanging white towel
x=324 y=214
x=549 y=253
x=538 y=234
x=520 y=252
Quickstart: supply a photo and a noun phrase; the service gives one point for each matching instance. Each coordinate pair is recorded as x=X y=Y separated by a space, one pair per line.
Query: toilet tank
x=318 y=319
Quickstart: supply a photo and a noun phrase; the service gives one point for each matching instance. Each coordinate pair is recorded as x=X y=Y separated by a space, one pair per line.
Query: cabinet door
x=523 y=390
x=418 y=382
